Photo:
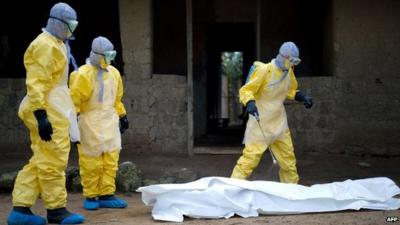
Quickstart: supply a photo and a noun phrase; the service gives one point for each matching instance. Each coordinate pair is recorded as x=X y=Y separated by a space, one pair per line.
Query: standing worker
x=97 y=90
x=263 y=95
x=48 y=112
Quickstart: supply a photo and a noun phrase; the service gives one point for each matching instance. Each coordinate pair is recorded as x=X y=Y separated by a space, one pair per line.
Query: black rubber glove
x=76 y=143
x=307 y=100
x=123 y=124
x=251 y=108
x=44 y=125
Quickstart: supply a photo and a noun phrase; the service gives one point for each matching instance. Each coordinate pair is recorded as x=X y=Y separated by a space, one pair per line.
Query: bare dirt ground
x=313 y=169
x=138 y=214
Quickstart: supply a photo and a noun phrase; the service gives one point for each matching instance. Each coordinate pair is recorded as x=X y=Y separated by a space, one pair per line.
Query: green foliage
x=232 y=63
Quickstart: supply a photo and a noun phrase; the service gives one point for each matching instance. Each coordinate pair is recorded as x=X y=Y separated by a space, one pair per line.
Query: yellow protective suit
x=269 y=87
x=46 y=64
x=99 y=126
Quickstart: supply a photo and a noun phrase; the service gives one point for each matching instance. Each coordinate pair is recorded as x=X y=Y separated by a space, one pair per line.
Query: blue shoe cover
x=91 y=204
x=17 y=218
x=74 y=219
x=112 y=202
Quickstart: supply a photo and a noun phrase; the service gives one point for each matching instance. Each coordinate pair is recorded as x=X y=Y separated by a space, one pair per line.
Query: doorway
x=230 y=51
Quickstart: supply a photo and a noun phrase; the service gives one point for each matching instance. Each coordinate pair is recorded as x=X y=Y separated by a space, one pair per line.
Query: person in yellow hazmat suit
x=264 y=93
x=48 y=112
x=96 y=90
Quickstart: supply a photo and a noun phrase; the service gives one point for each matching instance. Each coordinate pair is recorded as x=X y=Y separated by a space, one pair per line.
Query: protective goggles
x=71 y=24
x=293 y=60
x=108 y=55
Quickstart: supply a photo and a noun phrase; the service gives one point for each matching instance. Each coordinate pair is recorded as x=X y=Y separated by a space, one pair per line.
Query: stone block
x=182 y=106
x=182 y=175
x=181 y=121
x=307 y=122
x=186 y=175
x=73 y=179
x=173 y=134
x=7 y=181
x=326 y=107
x=75 y=185
x=393 y=151
x=168 y=120
x=152 y=134
x=299 y=138
x=161 y=132
x=13 y=100
x=148 y=182
x=17 y=85
x=172 y=108
x=167 y=179
x=4 y=85
x=169 y=175
x=356 y=149
x=318 y=138
x=141 y=121
x=179 y=92
x=142 y=56
x=129 y=177
x=322 y=122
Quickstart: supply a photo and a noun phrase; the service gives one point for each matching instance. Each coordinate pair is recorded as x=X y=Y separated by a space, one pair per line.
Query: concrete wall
x=14 y=136
x=314 y=129
x=156 y=104
x=366 y=55
x=356 y=110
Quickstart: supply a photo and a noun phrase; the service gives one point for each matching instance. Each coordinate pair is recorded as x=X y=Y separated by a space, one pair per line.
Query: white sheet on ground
x=218 y=197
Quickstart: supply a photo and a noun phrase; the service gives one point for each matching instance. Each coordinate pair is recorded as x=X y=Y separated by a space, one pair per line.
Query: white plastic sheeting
x=218 y=197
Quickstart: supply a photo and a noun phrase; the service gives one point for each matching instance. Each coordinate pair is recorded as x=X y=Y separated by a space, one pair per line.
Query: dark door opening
x=18 y=29
x=230 y=49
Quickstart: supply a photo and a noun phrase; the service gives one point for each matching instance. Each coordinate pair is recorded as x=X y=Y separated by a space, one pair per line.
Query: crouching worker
x=96 y=90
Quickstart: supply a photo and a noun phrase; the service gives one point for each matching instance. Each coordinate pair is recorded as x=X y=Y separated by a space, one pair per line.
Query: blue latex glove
x=307 y=100
x=251 y=108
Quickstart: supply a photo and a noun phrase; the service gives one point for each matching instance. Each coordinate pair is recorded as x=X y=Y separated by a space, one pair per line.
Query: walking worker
x=263 y=95
x=48 y=112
